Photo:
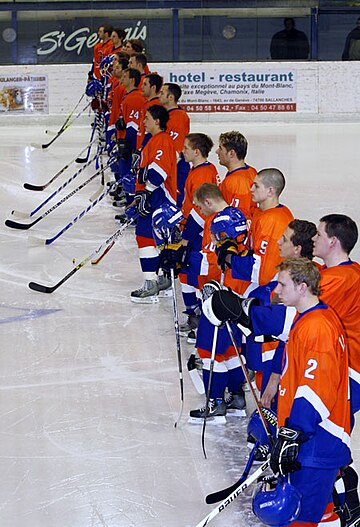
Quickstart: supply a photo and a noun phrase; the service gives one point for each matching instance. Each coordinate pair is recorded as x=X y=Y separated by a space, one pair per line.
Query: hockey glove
x=174 y=256
x=224 y=305
x=225 y=250
x=285 y=452
x=120 y=124
x=128 y=182
x=142 y=199
x=142 y=175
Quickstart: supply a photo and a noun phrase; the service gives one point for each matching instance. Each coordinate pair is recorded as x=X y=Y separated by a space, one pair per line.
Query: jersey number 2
x=312 y=366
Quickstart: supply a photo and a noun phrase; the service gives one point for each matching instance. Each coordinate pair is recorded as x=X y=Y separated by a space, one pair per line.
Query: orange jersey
x=178 y=127
x=118 y=94
x=101 y=50
x=266 y=229
x=131 y=105
x=340 y=289
x=159 y=156
x=209 y=269
x=204 y=173
x=314 y=387
x=142 y=132
x=236 y=189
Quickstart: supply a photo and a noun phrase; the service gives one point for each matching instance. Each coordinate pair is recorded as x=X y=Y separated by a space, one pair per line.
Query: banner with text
x=233 y=88
x=24 y=94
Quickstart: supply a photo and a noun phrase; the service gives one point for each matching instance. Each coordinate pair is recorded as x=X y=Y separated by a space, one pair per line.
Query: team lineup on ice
x=180 y=306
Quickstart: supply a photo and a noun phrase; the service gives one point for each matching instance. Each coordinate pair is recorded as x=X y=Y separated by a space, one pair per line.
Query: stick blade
x=81 y=160
x=34 y=241
x=40 y=288
x=29 y=186
x=19 y=214
x=15 y=225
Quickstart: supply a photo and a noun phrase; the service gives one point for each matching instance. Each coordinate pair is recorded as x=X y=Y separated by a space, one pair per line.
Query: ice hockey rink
x=89 y=388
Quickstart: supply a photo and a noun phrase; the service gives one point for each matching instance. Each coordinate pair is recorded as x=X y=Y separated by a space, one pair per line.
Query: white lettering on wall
x=78 y=39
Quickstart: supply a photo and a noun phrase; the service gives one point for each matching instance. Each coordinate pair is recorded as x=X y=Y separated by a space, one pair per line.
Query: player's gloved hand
x=142 y=198
x=120 y=124
x=225 y=250
x=128 y=182
x=225 y=305
x=174 y=256
x=286 y=450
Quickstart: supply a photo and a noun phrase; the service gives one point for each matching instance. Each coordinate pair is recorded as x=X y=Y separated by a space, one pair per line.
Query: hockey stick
x=233 y=495
x=248 y=380
x=57 y=191
x=85 y=159
x=62 y=130
x=25 y=226
x=98 y=260
x=50 y=289
x=212 y=361
x=50 y=132
x=178 y=346
x=29 y=186
x=39 y=241
x=221 y=495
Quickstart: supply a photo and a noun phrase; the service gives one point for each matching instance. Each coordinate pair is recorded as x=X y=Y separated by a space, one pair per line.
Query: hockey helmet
x=229 y=223
x=276 y=502
x=106 y=65
x=255 y=428
x=94 y=88
x=164 y=221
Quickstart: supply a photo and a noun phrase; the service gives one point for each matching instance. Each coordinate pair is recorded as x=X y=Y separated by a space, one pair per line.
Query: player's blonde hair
x=303 y=270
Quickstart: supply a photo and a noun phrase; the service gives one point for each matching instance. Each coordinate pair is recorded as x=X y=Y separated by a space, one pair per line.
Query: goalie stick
x=57 y=191
x=233 y=495
x=25 y=226
x=50 y=289
x=62 y=130
x=39 y=241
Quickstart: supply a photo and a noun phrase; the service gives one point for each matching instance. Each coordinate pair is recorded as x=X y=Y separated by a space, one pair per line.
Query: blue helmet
x=106 y=65
x=164 y=221
x=255 y=428
x=229 y=223
x=276 y=503
x=94 y=88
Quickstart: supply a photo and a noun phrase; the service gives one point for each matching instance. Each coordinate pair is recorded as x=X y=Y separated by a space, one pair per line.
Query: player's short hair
x=343 y=228
x=157 y=111
x=272 y=177
x=107 y=28
x=155 y=80
x=174 y=89
x=200 y=141
x=234 y=141
x=134 y=74
x=208 y=191
x=140 y=58
x=123 y=61
x=121 y=33
x=304 y=231
x=136 y=44
x=303 y=270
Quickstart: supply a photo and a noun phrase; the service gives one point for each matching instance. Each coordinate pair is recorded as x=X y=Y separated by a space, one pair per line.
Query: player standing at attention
x=178 y=128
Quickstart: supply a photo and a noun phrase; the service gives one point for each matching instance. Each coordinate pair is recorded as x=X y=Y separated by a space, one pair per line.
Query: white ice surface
x=89 y=388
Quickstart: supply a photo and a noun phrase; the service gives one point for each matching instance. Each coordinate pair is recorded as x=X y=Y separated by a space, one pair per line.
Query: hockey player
x=236 y=186
x=134 y=46
x=197 y=147
x=101 y=49
x=313 y=409
x=178 y=128
x=150 y=90
x=139 y=62
x=156 y=183
x=117 y=37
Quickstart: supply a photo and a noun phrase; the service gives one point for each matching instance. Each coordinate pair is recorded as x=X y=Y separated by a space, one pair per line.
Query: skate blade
x=216 y=420
x=165 y=293
x=236 y=413
x=146 y=300
x=256 y=462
